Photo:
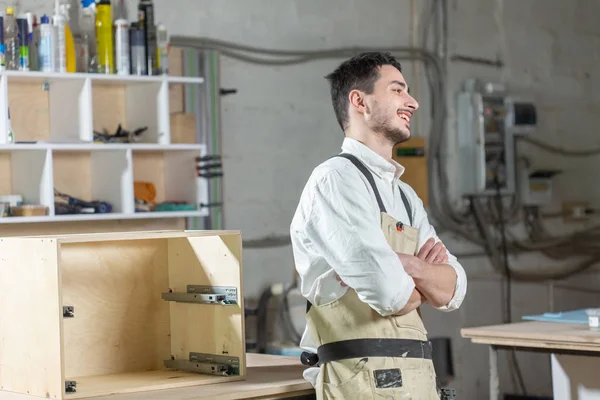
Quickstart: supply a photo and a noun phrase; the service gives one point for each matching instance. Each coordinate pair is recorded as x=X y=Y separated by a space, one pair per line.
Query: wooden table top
x=268 y=377
x=534 y=334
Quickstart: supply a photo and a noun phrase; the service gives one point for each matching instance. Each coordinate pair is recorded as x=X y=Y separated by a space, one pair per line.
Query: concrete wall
x=280 y=125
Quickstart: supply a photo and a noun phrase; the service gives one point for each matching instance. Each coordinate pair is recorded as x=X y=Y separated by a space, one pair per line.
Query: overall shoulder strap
x=361 y=167
x=406 y=205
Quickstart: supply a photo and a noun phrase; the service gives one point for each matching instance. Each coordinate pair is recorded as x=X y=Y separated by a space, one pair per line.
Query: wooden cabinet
x=96 y=314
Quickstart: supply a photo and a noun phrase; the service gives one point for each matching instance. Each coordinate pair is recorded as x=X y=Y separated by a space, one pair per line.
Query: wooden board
x=5 y=173
x=176 y=91
x=183 y=128
x=269 y=377
x=143 y=382
x=210 y=261
x=109 y=108
x=415 y=173
x=79 y=184
x=544 y=335
x=53 y=228
x=30 y=304
x=29 y=111
x=121 y=324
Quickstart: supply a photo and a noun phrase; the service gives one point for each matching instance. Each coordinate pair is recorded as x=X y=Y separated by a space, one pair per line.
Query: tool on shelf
x=120 y=136
x=66 y=204
x=209 y=166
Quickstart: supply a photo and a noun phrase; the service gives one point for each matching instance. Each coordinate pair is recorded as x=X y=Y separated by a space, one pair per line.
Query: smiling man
x=365 y=252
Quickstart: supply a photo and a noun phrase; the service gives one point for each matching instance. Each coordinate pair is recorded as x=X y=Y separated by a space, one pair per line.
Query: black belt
x=358 y=348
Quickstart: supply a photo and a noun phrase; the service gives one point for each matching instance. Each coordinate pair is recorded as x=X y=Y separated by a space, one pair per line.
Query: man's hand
x=433 y=253
x=435 y=281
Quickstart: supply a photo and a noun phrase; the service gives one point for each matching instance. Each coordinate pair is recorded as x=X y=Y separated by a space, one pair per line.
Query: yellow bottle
x=70 y=50
x=104 y=37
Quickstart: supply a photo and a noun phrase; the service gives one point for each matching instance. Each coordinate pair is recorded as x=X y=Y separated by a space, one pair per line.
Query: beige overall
x=349 y=318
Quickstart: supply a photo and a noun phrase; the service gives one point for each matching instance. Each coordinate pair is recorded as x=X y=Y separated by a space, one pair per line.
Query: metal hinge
x=225 y=295
x=70 y=386
x=68 y=312
x=207 y=364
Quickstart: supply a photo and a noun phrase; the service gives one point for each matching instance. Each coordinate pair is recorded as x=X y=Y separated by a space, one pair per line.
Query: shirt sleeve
x=345 y=229
x=427 y=231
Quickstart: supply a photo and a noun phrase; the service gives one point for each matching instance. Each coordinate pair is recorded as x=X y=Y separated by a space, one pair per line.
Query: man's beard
x=382 y=124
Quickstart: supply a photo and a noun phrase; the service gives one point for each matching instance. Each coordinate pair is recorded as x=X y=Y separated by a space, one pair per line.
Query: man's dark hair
x=359 y=72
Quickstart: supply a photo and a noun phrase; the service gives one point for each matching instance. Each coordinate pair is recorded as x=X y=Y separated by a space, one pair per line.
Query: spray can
x=46 y=48
x=104 y=37
x=138 y=50
x=146 y=19
x=23 y=43
x=162 y=49
x=2 y=48
x=122 y=47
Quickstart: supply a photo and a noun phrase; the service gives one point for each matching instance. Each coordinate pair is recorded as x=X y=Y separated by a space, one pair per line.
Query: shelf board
x=40 y=77
x=101 y=147
x=103 y=217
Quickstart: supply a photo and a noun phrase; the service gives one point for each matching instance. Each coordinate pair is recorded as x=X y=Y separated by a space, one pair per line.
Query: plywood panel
x=72 y=173
x=54 y=228
x=176 y=91
x=148 y=166
x=121 y=323
x=183 y=128
x=29 y=111
x=30 y=318
x=415 y=164
x=108 y=108
x=206 y=261
x=141 y=382
x=5 y=173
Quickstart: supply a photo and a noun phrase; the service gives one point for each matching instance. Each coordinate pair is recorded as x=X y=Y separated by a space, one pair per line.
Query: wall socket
x=574 y=211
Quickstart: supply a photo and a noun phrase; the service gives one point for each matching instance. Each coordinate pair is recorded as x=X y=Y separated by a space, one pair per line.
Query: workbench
x=268 y=377
x=574 y=350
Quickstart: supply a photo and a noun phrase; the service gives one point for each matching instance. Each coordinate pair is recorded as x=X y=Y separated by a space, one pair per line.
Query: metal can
x=146 y=20
x=137 y=50
x=122 y=64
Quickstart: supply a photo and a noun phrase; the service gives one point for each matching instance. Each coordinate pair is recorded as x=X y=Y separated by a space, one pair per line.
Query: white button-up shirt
x=337 y=230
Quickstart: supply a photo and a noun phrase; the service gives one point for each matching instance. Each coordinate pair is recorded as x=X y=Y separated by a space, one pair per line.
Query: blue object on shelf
x=567 y=317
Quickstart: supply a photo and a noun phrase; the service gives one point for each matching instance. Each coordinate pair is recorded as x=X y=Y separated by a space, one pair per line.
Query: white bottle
x=122 y=63
x=60 y=41
x=46 y=51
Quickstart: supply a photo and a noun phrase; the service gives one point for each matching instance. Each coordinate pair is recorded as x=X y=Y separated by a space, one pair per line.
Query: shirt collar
x=388 y=170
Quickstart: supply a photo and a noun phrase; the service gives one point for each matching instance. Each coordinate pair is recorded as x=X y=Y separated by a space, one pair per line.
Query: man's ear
x=357 y=101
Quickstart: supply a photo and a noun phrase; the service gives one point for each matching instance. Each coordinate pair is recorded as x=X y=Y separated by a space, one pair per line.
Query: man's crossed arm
x=434 y=278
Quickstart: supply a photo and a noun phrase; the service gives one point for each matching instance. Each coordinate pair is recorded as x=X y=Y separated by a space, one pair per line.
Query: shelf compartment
x=121 y=331
x=95 y=176
x=134 y=105
x=173 y=176
x=27 y=173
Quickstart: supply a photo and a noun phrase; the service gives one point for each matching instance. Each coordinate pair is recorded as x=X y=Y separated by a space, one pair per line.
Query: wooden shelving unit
x=54 y=116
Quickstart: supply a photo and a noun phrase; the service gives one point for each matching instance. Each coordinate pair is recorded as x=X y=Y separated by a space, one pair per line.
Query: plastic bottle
x=47 y=54
x=104 y=36
x=87 y=24
x=2 y=48
x=32 y=27
x=162 y=49
x=23 y=41
x=60 y=44
x=10 y=40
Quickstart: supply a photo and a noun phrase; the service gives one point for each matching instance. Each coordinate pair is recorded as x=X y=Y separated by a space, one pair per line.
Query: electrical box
x=92 y=315
x=488 y=120
x=411 y=155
